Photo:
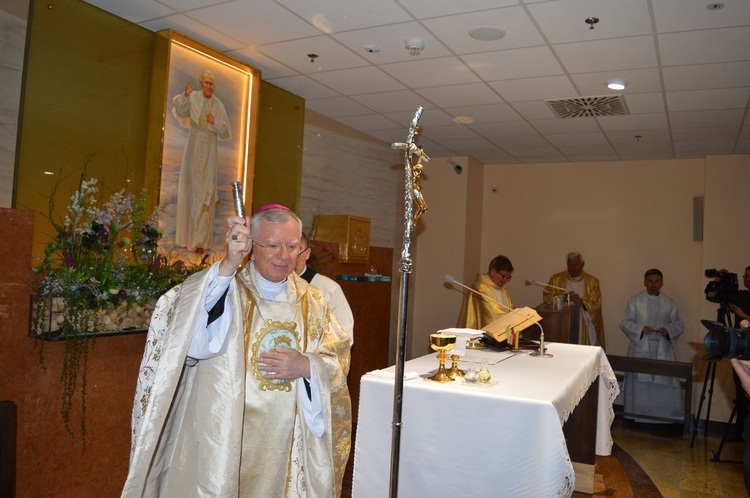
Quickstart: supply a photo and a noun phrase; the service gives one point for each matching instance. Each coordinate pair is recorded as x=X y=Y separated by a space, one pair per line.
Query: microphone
x=449 y=279
x=542 y=284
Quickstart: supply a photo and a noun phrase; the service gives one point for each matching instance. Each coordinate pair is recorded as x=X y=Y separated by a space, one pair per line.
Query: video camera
x=724 y=342
x=723 y=287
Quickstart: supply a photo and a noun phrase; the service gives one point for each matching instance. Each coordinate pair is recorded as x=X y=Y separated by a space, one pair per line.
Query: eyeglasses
x=275 y=249
x=506 y=276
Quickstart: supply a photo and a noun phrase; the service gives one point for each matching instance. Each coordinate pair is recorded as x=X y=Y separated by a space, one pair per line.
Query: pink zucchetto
x=271 y=206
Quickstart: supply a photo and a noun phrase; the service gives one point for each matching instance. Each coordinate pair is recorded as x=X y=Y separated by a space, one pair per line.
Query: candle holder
x=454 y=372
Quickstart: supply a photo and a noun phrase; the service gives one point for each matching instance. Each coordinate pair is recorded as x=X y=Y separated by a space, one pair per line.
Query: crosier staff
x=412 y=192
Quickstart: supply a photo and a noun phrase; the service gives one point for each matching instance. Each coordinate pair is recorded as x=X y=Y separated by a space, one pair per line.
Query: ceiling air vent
x=584 y=107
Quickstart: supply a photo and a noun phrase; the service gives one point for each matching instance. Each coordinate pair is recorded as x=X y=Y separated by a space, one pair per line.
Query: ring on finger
x=235 y=237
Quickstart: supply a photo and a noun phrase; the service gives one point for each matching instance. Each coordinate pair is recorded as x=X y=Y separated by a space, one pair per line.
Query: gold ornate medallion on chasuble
x=273 y=335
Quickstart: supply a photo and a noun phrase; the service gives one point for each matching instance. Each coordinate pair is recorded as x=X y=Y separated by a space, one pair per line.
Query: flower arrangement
x=101 y=271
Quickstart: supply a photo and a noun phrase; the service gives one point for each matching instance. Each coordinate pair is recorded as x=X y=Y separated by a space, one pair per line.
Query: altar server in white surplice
x=652 y=323
x=242 y=388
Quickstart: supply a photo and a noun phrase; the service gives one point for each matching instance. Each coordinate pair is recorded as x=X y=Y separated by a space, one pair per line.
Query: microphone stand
x=542 y=284
x=410 y=148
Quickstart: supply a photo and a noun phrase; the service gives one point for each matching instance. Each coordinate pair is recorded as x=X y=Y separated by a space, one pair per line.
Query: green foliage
x=103 y=261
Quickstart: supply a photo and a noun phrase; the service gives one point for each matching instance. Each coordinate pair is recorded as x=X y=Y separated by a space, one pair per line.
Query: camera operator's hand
x=738 y=311
x=648 y=330
x=742 y=367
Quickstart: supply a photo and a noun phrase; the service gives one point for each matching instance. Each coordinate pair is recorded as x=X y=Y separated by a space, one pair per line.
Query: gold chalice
x=442 y=343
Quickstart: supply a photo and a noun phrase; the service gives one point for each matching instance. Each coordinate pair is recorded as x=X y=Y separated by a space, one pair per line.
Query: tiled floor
x=676 y=469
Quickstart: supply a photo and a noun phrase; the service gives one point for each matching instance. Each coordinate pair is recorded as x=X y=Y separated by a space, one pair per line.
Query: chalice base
x=441 y=376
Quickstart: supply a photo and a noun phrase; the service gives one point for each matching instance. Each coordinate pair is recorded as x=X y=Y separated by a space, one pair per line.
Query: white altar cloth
x=462 y=440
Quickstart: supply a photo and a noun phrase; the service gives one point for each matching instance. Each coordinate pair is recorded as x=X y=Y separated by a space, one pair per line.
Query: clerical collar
x=273 y=291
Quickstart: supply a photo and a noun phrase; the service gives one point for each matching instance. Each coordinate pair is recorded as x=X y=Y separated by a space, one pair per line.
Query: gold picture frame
x=202 y=136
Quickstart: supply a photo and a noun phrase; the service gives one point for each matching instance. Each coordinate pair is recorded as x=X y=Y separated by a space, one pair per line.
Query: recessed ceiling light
x=617 y=85
x=486 y=33
x=465 y=120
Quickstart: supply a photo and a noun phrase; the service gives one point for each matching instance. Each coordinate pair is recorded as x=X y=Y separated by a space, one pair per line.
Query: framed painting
x=202 y=140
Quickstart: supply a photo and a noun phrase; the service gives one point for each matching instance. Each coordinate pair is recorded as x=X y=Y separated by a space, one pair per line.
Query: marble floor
x=676 y=469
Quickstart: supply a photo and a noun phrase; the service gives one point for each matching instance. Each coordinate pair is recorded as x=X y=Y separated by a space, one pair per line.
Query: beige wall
x=624 y=217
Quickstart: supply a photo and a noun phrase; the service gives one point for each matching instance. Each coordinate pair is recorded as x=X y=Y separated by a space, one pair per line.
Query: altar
x=506 y=438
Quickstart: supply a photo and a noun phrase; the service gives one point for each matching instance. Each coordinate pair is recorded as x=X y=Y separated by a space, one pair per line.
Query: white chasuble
x=218 y=428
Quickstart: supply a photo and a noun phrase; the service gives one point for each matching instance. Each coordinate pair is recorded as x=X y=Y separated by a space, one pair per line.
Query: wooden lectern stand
x=559 y=325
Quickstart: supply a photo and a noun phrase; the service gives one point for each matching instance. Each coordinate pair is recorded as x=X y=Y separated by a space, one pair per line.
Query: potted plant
x=102 y=271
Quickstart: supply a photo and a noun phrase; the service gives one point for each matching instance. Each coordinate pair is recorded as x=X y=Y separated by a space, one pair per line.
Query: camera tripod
x=723 y=317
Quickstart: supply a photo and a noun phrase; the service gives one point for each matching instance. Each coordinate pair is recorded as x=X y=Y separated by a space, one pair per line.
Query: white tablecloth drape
x=504 y=439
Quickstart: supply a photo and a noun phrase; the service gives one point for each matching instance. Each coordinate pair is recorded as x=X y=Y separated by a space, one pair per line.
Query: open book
x=512 y=322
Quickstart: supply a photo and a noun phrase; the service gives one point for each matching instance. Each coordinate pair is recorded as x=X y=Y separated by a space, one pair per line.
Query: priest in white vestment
x=331 y=289
x=242 y=389
x=653 y=324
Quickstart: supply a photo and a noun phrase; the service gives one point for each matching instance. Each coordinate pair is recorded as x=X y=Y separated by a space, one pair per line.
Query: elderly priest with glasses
x=242 y=388
x=477 y=312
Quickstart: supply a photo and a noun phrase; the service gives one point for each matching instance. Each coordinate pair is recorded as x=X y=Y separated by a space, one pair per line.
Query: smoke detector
x=414 y=46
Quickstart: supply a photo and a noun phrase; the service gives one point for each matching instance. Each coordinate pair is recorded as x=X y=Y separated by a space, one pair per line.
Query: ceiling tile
x=369 y=122
x=485 y=113
x=337 y=107
x=430 y=117
x=508 y=129
x=302 y=85
x=358 y=81
x=331 y=55
x=684 y=15
x=638 y=81
x=564 y=126
x=521 y=142
x=533 y=110
x=705 y=147
x=268 y=67
x=705 y=134
x=454 y=30
x=512 y=64
x=594 y=138
x=564 y=21
x=135 y=11
x=646 y=136
x=424 y=9
x=278 y=23
x=702 y=76
x=333 y=16
x=424 y=73
x=394 y=101
x=391 y=39
x=644 y=103
x=460 y=95
x=450 y=132
x=700 y=119
x=195 y=30
x=698 y=47
x=635 y=122
x=535 y=88
x=605 y=55
x=465 y=146
x=700 y=100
